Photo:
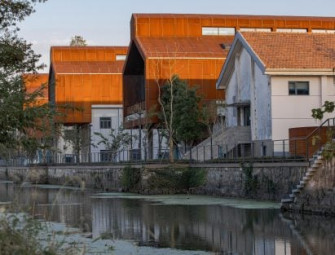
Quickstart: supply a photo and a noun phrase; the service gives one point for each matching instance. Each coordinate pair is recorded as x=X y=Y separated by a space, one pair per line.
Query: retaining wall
x=266 y=181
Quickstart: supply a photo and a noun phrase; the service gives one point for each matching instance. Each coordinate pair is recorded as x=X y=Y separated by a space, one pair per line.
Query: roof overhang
x=229 y=66
x=300 y=72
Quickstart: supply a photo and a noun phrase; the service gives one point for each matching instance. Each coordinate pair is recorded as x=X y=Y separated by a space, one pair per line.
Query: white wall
x=114 y=112
x=289 y=111
x=249 y=84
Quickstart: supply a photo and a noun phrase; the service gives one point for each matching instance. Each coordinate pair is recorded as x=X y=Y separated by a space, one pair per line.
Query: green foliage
x=116 y=140
x=251 y=184
x=329 y=146
x=187 y=116
x=130 y=177
x=19 y=234
x=78 y=40
x=20 y=117
x=177 y=179
x=328 y=107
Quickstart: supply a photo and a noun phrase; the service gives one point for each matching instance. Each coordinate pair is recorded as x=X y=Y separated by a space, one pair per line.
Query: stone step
x=306 y=178
x=310 y=174
x=311 y=170
x=302 y=182
x=292 y=196
x=300 y=186
x=286 y=200
x=296 y=191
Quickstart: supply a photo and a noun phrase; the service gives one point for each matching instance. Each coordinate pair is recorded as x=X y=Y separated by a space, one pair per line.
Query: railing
x=295 y=149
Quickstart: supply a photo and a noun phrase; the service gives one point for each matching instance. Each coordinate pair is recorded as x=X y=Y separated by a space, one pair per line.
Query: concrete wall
x=249 y=84
x=267 y=181
x=264 y=181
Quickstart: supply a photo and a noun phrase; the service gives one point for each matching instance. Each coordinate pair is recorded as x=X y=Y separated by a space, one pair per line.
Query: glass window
x=121 y=57
x=218 y=31
x=210 y=31
x=105 y=122
x=250 y=29
x=298 y=88
x=226 y=31
x=292 y=30
x=323 y=31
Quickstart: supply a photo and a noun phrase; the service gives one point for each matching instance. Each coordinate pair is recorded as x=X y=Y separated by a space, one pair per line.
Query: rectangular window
x=226 y=31
x=323 y=31
x=121 y=57
x=298 y=88
x=292 y=30
x=218 y=31
x=210 y=31
x=105 y=122
x=251 y=29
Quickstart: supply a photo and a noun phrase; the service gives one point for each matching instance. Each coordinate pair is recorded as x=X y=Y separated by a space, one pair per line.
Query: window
x=323 y=31
x=121 y=57
x=251 y=29
x=298 y=88
x=105 y=122
x=218 y=31
x=292 y=30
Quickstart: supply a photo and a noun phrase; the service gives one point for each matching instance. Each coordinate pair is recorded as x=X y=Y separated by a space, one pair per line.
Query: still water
x=184 y=224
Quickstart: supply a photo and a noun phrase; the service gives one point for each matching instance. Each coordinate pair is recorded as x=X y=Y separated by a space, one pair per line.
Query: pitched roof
x=183 y=47
x=293 y=50
x=85 y=67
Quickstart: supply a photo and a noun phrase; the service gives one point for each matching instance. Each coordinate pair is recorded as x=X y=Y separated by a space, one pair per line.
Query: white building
x=273 y=81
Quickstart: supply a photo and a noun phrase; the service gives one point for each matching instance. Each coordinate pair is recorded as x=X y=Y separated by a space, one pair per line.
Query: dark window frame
x=105 y=122
x=294 y=90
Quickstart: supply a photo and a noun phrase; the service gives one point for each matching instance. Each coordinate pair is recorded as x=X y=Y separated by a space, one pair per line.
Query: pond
x=175 y=224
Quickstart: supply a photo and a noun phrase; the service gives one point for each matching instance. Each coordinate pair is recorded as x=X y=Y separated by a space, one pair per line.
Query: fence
x=294 y=149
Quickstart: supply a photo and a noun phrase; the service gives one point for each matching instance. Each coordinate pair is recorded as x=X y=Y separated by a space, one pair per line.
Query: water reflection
x=216 y=228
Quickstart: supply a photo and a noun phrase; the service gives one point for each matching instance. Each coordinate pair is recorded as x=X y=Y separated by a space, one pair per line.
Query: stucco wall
x=289 y=111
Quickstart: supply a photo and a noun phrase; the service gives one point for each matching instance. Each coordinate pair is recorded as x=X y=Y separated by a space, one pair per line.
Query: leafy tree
x=116 y=140
x=180 y=112
x=318 y=113
x=19 y=115
x=78 y=40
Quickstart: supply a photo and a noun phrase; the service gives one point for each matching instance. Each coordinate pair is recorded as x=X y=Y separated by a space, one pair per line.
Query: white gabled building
x=273 y=81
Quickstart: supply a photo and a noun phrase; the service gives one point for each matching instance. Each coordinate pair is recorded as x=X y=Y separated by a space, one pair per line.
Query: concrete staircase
x=315 y=164
x=227 y=139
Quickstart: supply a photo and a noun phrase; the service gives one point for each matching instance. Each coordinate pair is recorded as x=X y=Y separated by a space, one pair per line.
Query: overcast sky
x=106 y=22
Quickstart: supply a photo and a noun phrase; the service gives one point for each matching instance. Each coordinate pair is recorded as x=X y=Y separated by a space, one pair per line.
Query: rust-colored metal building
x=192 y=46
x=83 y=76
x=34 y=82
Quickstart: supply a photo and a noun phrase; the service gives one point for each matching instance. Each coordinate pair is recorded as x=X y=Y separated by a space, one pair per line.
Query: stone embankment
x=316 y=192
x=264 y=181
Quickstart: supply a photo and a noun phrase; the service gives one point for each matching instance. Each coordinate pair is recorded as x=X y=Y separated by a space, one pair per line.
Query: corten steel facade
x=84 y=76
x=192 y=46
x=34 y=82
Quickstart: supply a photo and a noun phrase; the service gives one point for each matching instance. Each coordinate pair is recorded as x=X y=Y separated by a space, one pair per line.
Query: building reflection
x=223 y=230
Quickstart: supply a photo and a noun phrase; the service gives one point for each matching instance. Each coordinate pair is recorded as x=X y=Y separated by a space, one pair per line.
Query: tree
x=117 y=139
x=78 y=40
x=180 y=112
x=318 y=113
x=19 y=115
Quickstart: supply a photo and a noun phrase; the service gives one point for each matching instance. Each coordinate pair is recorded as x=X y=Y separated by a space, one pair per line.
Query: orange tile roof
x=293 y=50
x=197 y=47
x=88 y=67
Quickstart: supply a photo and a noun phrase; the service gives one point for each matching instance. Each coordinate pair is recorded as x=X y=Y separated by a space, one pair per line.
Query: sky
x=107 y=22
